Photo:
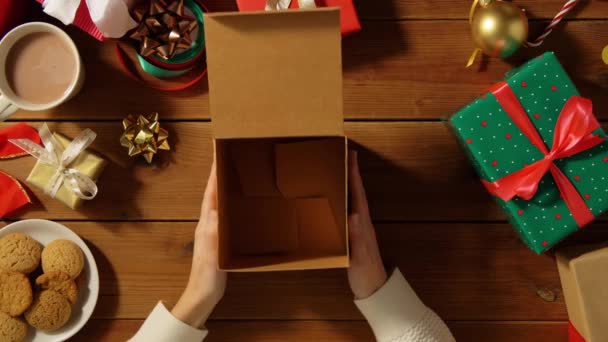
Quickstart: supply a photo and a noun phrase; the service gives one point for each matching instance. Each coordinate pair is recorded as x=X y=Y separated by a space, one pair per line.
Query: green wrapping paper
x=498 y=148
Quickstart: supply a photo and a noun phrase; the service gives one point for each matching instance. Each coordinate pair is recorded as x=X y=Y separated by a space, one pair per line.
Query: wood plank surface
x=449 y=9
x=413 y=171
x=403 y=74
x=463 y=271
x=331 y=331
x=392 y=70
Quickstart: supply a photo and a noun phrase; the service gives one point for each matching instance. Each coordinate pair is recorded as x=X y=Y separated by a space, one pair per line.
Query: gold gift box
x=89 y=164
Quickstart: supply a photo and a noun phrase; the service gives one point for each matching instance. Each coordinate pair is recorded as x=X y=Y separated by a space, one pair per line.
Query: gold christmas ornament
x=144 y=136
x=605 y=54
x=498 y=28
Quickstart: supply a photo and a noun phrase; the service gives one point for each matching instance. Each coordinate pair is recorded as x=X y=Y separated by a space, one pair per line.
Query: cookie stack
x=48 y=306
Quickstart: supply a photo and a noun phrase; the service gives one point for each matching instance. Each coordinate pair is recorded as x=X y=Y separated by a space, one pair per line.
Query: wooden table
x=403 y=74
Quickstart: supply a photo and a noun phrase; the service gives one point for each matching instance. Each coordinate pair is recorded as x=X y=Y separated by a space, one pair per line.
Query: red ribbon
x=573 y=135
x=12 y=195
x=131 y=71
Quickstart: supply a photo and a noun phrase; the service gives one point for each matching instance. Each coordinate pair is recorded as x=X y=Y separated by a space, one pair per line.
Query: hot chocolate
x=40 y=68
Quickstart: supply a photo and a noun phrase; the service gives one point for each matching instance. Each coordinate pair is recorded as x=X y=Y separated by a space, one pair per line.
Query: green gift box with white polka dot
x=497 y=148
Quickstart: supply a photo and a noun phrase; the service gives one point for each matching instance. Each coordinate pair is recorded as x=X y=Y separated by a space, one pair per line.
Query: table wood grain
x=403 y=75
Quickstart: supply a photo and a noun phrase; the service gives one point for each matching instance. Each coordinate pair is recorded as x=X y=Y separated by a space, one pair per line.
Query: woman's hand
x=207 y=284
x=366 y=273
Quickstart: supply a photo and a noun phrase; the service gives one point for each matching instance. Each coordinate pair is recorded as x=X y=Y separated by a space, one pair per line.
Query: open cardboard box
x=275 y=86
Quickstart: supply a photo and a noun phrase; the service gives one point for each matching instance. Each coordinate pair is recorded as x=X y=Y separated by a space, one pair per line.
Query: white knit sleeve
x=396 y=314
x=162 y=326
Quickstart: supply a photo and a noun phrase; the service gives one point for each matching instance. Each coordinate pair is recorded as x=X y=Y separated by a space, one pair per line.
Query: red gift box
x=349 y=22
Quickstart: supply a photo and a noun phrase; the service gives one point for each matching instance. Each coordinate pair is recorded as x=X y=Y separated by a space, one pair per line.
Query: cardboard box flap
x=275 y=74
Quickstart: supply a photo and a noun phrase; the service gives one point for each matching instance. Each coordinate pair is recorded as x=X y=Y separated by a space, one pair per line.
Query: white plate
x=44 y=232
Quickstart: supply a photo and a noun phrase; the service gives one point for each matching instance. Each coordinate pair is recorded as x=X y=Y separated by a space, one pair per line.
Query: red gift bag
x=349 y=22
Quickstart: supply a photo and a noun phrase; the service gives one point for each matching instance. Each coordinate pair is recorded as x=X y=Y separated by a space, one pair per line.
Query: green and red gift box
x=539 y=150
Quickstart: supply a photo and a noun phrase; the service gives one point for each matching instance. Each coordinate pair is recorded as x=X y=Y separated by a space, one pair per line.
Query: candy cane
x=568 y=6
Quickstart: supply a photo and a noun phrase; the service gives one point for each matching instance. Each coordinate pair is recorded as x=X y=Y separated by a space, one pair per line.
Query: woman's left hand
x=207 y=284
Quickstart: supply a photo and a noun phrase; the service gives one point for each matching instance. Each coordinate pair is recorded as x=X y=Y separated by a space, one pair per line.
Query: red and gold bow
x=573 y=135
x=12 y=194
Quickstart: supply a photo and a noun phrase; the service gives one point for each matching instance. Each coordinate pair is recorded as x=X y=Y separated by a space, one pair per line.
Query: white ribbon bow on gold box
x=55 y=156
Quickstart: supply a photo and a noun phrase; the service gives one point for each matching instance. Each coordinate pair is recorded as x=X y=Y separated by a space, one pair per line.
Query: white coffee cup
x=9 y=101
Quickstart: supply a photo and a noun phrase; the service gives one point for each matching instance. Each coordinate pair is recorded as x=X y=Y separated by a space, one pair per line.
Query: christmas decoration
x=64 y=170
x=568 y=6
x=167 y=59
x=144 y=136
x=499 y=27
x=605 y=54
x=163 y=28
x=539 y=150
x=12 y=194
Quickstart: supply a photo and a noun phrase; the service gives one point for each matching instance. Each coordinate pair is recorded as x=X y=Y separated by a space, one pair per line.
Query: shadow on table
x=278 y=302
x=107 y=304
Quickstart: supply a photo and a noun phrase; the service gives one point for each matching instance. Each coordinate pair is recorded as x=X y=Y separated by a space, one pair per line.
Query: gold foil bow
x=163 y=28
x=144 y=136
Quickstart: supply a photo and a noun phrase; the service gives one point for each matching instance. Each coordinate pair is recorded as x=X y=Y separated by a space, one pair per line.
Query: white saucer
x=44 y=232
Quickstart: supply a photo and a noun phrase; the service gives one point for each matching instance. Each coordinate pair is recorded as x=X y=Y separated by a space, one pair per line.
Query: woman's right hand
x=207 y=284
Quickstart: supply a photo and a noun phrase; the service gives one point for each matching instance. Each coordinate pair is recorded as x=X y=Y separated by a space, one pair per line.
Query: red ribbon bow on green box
x=540 y=151
x=12 y=195
x=573 y=135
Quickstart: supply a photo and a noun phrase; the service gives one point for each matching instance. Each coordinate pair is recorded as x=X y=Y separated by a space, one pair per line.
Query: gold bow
x=144 y=136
